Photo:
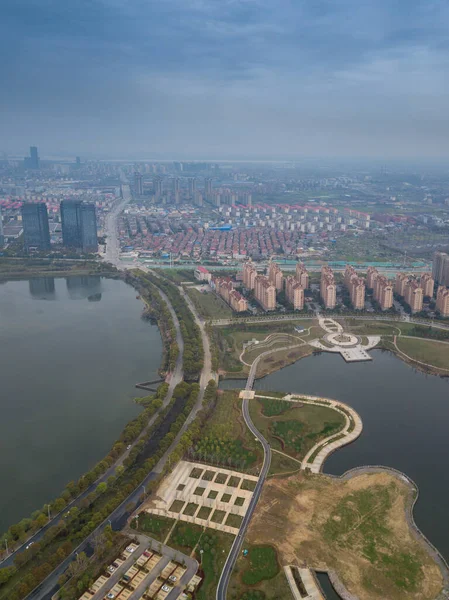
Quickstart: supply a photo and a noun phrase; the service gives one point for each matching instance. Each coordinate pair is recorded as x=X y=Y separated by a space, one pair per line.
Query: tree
x=78 y=565
x=101 y=488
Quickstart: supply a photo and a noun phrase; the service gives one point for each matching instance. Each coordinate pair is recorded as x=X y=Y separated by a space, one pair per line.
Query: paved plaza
x=211 y=496
x=348 y=345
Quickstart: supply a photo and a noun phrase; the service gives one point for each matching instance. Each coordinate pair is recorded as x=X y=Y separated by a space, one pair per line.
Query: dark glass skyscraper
x=32 y=161
x=79 y=225
x=71 y=223
x=89 y=238
x=36 y=232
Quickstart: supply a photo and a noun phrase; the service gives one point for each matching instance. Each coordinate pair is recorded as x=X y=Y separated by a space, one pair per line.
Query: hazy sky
x=225 y=78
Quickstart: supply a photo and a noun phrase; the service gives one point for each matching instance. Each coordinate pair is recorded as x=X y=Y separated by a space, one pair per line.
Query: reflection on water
x=68 y=372
x=42 y=288
x=84 y=287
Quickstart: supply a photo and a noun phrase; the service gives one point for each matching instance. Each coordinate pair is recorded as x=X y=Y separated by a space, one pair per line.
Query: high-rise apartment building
x=2 y=237
x=328 y=288
x=138 y=184
x=427 y=283
x=400 y=283
x=249 y=275
x=157 y=187
x=414 y=295
x=275 y=276
x=294 y=292
x=36 y=232
x=443 y=300
x=192 y=187
x=440 y=268
x=79 y=225
x=265 y=292
x=371 y=275
x=208 y=188
x=356 y=287
x=302 y=276
x=89 y=234
x=383 y=292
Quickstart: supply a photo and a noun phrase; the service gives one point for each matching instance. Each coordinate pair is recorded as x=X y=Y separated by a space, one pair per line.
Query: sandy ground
x=292 y=514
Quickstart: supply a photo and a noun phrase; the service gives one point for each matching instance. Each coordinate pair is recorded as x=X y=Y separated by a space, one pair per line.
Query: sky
x=210 y=79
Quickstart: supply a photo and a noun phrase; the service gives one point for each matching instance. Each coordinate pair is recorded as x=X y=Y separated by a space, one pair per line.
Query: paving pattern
x=208 y=487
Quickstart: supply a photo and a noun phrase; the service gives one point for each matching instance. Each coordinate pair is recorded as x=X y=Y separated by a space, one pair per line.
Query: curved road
x=237 y=545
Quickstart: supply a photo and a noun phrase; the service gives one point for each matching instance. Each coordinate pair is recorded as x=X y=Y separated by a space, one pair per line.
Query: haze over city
x=225 y=78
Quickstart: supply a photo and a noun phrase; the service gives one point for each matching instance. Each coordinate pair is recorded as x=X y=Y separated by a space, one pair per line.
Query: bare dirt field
x=356 y=527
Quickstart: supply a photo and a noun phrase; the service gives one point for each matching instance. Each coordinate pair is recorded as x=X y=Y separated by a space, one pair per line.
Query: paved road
x=112 y=243
x=275 y=318
x=237 y=545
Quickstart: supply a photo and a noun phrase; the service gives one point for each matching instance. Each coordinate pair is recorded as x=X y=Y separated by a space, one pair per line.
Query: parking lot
x=142 y=572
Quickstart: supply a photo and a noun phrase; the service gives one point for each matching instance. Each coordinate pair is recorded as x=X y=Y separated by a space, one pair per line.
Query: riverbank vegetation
x=209 y=305
x=35 y=563
x=357 y=527
x=24 y=268
x=193 y=345
x=434 y=353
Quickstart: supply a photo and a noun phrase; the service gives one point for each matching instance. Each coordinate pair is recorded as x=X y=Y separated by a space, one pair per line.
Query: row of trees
x=157 y=308
x=193 y=345
x=97 y=506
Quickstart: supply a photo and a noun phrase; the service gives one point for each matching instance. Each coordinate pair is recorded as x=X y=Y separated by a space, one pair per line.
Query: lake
x=71 y=353
x=405 y=417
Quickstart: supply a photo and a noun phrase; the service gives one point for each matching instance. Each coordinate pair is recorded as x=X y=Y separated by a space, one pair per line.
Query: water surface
x=71 y=353
x=405 y=417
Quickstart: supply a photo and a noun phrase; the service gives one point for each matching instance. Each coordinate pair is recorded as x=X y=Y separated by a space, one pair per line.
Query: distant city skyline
x=224 y=79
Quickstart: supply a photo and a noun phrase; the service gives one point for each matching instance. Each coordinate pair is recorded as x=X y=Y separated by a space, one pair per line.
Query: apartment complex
x=275 y=276
x=265 y=292
x=356 y=287
x=427 y=283
x=440 y=268
x=249 y=275
x=294 y=292
x=328 y=287
x=443 y=300
x=414 y=295
x=400 y=283
x=224 y=287
x=371 y=275
x=302 y=276
x=383 y=291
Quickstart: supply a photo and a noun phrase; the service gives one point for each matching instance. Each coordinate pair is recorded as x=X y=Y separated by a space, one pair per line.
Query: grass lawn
x=430 y=352
x=177 y=506
x=190 y=509
x=209 y=305
x=234 y=521
x=282 y=358
x=225 y=438
x=261 y=568
x=282 y=464
x=156 y=526
x=297 y=429
x=215 y=546
x=185 y=536
x=204 y=513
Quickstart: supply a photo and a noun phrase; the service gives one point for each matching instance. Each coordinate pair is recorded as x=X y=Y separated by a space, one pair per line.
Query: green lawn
x=209 y=305
x=297 y=430
x=261 y=563
x=157 y=527
x=430 y=352
x=215 y=546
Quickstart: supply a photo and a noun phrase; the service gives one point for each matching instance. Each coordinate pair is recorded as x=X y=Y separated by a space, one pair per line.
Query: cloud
x=200 y=77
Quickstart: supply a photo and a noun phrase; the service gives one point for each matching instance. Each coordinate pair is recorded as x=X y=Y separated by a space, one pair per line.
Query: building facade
x=440 y=268
x=249 y=275
x=371 y=275
x=443 y=300
x=275 y=276
x=328 y=288
x=294 y=292
x=427 y=283
x=265 y=293
x=302 y=275
x=414 y=295
x=356 y=287
x=36 y=232
x=383 y=292
x=79 y=225
x=400 y=283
